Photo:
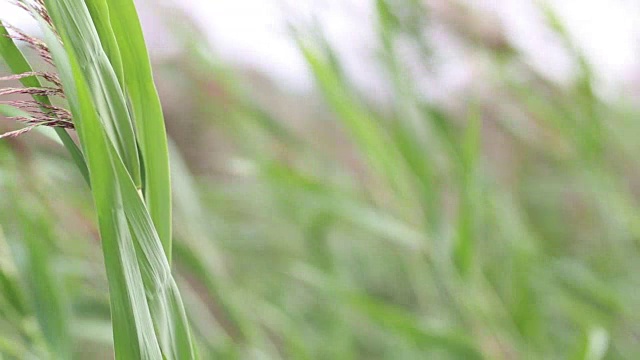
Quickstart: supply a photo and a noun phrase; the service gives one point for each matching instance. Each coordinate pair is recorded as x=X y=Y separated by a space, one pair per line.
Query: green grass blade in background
x=362 y=125
x=147 y=116
x=463 y=251
x=10 y=111
x=199 y=256
x=407 y=327
x=51 y=307
x=18 y=65
x=33 y=287
x=594 y=346
x=14 y=305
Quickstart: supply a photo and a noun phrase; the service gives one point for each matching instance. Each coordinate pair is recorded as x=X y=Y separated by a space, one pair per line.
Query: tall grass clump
x=491 y=225
x=100 y=84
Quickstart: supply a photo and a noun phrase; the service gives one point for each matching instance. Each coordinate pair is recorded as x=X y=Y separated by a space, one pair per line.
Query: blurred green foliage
x=507 y=228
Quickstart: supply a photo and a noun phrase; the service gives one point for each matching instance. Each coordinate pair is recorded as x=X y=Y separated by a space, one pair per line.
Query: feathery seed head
x=40 y=110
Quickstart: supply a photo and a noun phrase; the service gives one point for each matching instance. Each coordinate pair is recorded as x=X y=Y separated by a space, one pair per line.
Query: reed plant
x=100 y=68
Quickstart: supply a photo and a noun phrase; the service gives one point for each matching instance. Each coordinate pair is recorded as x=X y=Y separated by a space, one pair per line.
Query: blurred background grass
x=390 y=213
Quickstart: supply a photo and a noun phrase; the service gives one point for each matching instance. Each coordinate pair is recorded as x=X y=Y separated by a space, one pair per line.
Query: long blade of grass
x=148 y=315
x=196 y=254
x=368 y=133
x=133 y=333
x=99 y=10
x=463 y=251
x=108 y=96
x=147 y=116
x=10 y=111
x=410 y=329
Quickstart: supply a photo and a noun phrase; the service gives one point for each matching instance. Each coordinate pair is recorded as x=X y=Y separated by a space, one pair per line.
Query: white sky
x=253 y=32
